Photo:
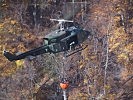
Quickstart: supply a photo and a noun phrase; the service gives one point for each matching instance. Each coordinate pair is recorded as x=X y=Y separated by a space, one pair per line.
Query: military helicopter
x=64 y=39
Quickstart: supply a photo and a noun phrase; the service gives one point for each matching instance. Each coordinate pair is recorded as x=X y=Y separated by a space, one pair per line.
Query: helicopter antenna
x=61 y=22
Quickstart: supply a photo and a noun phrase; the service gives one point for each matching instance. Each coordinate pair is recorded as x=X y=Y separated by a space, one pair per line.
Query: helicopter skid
x=77 y=50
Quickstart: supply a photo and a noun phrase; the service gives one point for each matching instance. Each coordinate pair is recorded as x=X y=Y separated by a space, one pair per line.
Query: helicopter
x=64 y=39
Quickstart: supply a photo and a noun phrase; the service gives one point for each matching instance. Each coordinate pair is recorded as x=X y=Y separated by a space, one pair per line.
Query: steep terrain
x=102 y=71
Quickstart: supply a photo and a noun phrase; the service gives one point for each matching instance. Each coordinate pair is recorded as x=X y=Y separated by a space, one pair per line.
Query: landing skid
x=78 y=49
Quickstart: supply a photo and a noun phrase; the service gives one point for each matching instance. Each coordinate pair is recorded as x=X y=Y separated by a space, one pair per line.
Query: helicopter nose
x=87 y=33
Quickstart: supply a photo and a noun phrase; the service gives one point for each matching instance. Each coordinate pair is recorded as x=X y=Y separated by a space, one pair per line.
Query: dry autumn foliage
x=102 y=71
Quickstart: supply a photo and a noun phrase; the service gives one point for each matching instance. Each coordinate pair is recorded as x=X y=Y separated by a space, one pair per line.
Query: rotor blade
x=61 y=20
x=68 y=14
x=34 y=52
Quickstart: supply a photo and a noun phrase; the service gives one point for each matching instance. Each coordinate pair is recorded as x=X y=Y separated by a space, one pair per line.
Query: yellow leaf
x=114 y=46
x=128 y=48
x=86 y=58
x=13 y=22
x=1 y=25
x=91 y=86
x=107 y=87
x=81 y=66
x=122 y=56
x=19 y=63
x=116 y=18
x=85 y=81
x=10 y=30
x=3 y=4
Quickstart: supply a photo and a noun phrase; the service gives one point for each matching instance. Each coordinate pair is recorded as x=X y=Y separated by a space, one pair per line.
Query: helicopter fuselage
x=55 y=42
x=64 y=40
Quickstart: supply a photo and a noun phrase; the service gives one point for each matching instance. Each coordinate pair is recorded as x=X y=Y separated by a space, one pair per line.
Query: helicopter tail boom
x=9 y=56
x=34 y=52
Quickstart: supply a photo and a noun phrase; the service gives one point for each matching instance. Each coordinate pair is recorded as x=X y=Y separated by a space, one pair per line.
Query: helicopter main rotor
x=61 y=22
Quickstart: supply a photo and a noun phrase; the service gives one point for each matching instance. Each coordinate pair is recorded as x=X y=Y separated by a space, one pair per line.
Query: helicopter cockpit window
x=72 y=41
x=58 y=47
x=52 y=40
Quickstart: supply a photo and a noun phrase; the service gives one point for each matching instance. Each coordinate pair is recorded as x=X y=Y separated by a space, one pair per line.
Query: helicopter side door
x=72 y=41
x=58 y=47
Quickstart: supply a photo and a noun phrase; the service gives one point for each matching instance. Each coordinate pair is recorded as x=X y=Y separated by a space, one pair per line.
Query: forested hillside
x=102 y=71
